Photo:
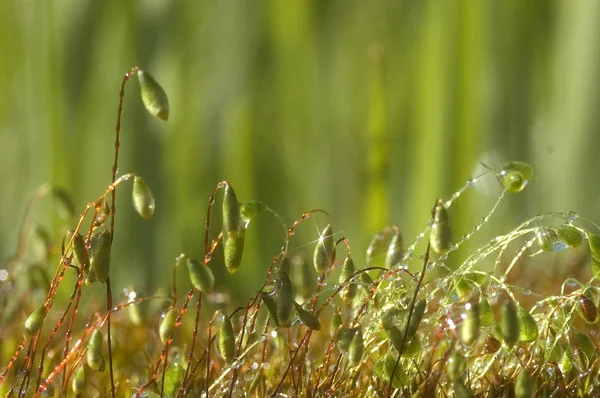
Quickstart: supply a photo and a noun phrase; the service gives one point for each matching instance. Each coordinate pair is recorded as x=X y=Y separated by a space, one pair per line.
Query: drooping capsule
x=469 y=329
x=416 y=318
x=153 y=96
x=456 y=366
x=395 y=252
x=377 y=249
x=356 y=349
x=509 y=323
x=441 y=236
x=491 y=345
x=34 y=322
x=173 y=378
x=324 y=253
x=528 y=328
x=226 y=339
x=525 y=385
x=307 y=317
x=78 y=249
x=78 y=383
x=570 y=235
x=94 y=356
x=587 y=308
x=201 y=275
x=336 y=322
x=349 y=292
x=100 y=257
x=280 y=301
x=167 y=325
x=514 y=176
x=486 y=315
x=142 y=198
x=103 y=213
x=548 y=239
x=233 y=230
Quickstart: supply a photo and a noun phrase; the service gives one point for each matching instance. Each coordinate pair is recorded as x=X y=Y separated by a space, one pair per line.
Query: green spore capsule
x=356 y=349
x=226 y=339
x=153 y=96
x=514 y=176
x=142 y=198
x=78 y=249
x=233 y=230
x=416 y=318
x=524 y=386
x=395 y=252
x=566 y=364
x=460 y=389
x=528 y=328
x=280 y=301
x=34 y=322
x=100 y=256
x=548 y=239
x=167 y=326
x=456 y=366
x=94 y=356
x=349 y=292
x=307 y=317
x=441 y=236
x=173 y=379
x=377 y=248
x=469 y=330
x=324 y=251
x=570 y=235
x=103 y=213
x=334 y=325
x=594 y=242
x=78 y=383
x=509 y=323
x=586 y=307
x=486 y=315
x=201 y=276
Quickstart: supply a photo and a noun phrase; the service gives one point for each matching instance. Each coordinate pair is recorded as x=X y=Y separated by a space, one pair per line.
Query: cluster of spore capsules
x=411 y=322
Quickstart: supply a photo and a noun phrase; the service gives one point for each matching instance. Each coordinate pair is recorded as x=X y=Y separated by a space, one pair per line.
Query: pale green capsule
x=78 y=249
x=344 y=338
x=524 y=386
x=103 y=213
x=509 y=323
x=349 y=292
x=233 y=230
x=417 y=317
x=173 y=379
x=514 y=176
x=100 y=257
x=441 y=236
x=486 y=315
x=377 y=250
x=201 y=275
x=469 y=329
x=167 y=326
x=307 y=317
x=226 y=339
x=570 y=235
x=395 y=252
x=34 y=322
x=566 y=364
x=456 y=366
x=548 y=239
x=280 y=301
x=324 y=253
x=94 y=356
x=413 y=348
x=336 y=322
x=356 y=349
x=528 y=328
x=78 y=382
x=142 y=198
x=153 y=96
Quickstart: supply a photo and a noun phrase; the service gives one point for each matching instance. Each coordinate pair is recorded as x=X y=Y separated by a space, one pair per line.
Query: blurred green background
x=369 y=109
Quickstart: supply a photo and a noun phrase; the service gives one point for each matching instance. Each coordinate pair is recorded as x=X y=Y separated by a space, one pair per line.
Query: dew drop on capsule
x=514 y=176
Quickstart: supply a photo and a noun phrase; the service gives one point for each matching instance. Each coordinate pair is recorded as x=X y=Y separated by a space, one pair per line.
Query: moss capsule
x=142 y=198
x=153 y=96
x=356 y=349
x=94 y=356
x=524 y=386
x=586 y=307
x=514 y=176
x=103 y=213
x=457 y=365
x=34 y=322
x=78 y=248
x=469 y=330
x=233 y=230
x=491 y=345
x=416 y=318
x=570 y=235
x=460 y=389
x=307 y=317
x=441 y=236
x=395 y=252
x=509 y=323
x=324 y=251
x=226 y=339
x=528 y=328
x=100 y=257
x=349 y=292
x=280 y=301
x=78 y=383
x=336 y=322
x=167 y=325
x=548 y=239
x=486 y=315
x=201 y=276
